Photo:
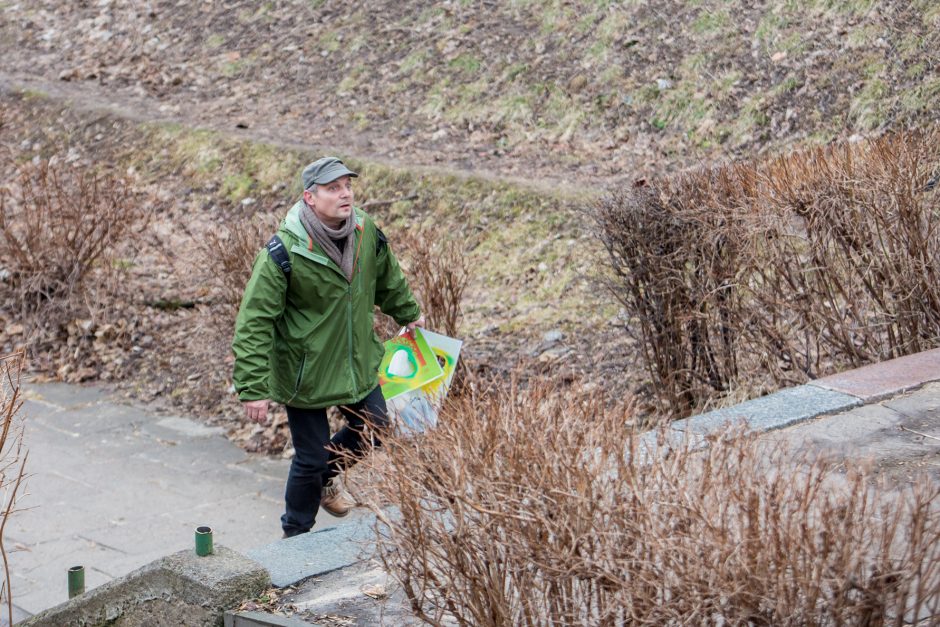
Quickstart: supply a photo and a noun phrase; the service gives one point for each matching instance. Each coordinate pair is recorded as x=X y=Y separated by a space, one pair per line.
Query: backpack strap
x=380 y=241
x=279 y=255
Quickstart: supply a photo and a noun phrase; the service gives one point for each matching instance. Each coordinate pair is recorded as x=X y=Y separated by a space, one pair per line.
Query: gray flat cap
x=323 y=171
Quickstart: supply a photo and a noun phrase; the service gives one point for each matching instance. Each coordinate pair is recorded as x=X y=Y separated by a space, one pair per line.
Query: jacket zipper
x=300 y=376
x=352 y=370
x=349 y=337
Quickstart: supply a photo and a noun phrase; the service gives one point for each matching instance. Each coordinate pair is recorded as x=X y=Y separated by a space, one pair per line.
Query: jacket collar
x=293 y=224
x=305 y=246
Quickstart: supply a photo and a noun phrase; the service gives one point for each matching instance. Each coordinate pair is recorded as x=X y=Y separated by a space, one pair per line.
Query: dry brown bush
x=229 y=253
x=13 y=456
x=67 y=244
x=56 y=226
x=533 y=508
x=438 y=271
x=754 y=276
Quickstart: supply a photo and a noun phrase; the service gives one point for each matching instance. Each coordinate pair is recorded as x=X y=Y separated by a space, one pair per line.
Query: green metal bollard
x=76 y=581
x=203 y=541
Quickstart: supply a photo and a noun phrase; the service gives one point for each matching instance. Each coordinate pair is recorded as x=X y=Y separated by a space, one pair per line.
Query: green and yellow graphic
x=409 y=363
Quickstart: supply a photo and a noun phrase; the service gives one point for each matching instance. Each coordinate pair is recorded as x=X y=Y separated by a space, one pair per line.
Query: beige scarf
x=325 y=236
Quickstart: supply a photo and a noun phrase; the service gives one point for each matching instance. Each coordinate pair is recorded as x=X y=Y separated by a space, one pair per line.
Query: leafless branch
x=13 y=457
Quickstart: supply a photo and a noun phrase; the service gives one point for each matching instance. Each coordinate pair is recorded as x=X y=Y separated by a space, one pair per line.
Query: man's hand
x=257 y=411
x=417 y=323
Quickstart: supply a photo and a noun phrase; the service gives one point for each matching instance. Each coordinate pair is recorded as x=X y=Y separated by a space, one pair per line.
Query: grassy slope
x=593 y=90
x=481 y=96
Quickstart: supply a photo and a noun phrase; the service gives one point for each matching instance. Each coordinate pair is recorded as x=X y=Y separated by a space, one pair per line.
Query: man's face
x=332 y=202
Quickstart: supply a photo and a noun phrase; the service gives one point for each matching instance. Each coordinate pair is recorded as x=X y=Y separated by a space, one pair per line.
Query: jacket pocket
x=300 y=376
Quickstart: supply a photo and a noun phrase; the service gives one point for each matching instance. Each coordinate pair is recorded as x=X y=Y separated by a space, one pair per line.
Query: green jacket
x=315 y=346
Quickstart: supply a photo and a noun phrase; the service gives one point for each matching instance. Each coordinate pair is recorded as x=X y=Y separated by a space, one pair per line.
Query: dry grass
x=536 y=508
x=761 y=275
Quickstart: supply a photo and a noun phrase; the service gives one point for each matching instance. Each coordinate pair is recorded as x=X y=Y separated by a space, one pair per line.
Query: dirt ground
x=546 y=92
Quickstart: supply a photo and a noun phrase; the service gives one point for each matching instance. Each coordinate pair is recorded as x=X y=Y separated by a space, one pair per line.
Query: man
x=304 y=336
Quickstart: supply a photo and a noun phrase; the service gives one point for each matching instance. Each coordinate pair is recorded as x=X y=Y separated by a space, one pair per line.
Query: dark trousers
x=314 y=464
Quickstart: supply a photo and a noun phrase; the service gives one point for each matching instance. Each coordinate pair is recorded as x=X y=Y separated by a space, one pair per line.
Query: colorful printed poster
x=408 y=364
x=417 y=410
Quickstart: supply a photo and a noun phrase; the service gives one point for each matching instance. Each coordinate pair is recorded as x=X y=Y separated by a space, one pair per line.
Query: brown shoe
x=335 y=499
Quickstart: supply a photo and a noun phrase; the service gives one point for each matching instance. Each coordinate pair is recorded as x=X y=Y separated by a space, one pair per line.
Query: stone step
x=320 y=551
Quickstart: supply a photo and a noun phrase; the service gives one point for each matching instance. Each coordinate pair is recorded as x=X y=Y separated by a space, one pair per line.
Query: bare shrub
x=439 y=273
x=13 y=458
x=229 y=253
x=677 y=254
x=755 y=276
x=66 y=250
x=56 y=226
x=872 y=248
x=533 y=508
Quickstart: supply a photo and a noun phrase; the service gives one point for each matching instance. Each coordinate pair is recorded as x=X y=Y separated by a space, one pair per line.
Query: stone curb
x=827 y=395
x=262 y=619
x=316 y=553
x=774 y=411
x=886 y=379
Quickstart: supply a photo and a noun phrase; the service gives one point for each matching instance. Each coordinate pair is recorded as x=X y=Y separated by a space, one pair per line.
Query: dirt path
x=94 y=99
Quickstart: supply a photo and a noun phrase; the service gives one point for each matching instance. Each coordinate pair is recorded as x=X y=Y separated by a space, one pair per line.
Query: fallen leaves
x=269 y=601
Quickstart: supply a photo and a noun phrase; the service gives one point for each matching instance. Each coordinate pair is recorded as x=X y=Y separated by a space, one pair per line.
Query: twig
x=923 y=435
x=8 y=585
x=12 y=368
x=171 y=304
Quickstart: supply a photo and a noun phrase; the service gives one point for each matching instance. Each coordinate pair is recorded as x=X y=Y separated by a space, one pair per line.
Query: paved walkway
x=113 y=487
x=887 y=412
x=900 y=435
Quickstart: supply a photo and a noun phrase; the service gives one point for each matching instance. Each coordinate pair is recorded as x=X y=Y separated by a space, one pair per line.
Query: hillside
x=595 y=92
x=498 y=123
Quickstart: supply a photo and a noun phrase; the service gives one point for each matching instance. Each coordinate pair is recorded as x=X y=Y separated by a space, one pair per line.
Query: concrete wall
x=179 y=589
